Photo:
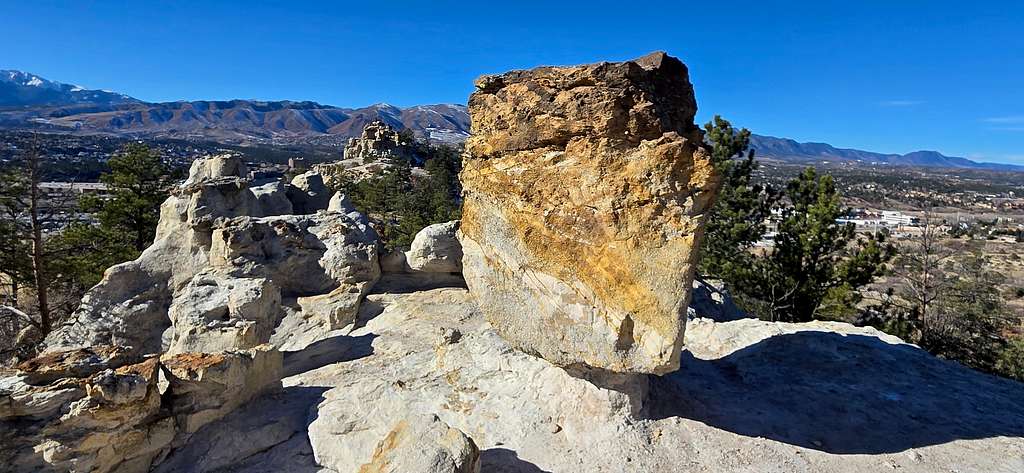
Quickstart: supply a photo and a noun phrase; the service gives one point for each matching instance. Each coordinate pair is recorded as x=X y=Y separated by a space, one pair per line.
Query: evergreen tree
x=28 y=255
x=136 y=183
x=1011 y=359
x=815 y=260
x=737 y=220
x=402 y=203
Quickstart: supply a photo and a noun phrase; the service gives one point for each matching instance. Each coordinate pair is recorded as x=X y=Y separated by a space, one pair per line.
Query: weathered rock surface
x=222 y=264
x=586 y=190
x=103 y=416
x=205 y=387
x=308 y=193
x=303 y=255
x=436 y=249
x=424 y=444
x=340 y=203
x=750 y=396
x=214 y=313
x=273 y=198
x=224 y=165
x=109 y=413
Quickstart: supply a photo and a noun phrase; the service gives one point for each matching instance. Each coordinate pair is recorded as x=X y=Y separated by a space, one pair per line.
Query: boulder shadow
x=326 y=352
x=840 y=394
x=503 y=460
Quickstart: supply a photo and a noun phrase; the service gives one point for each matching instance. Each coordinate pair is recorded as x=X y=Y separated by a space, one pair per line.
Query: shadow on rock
x=503 y=460
x=328 y=351
x=849 y=394
x=267 y=435
x=405 y=283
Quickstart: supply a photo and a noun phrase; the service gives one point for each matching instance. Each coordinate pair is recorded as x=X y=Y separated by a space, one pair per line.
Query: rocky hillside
x=553 y=329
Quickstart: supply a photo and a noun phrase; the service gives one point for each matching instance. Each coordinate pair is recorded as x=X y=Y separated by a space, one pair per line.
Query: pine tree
x=136 y=182
x=815 y=260
x=737 y=220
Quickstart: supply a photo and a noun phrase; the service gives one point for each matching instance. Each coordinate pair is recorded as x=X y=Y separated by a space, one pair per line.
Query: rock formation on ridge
x=103 y=410
x=586 y=190
x=224 y=266
x=378 y=141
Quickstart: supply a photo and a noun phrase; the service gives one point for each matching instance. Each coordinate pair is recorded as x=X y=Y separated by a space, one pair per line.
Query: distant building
x=58 y=188
x=895 y=218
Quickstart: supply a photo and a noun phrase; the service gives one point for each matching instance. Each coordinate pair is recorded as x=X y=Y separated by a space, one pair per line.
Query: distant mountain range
x=29 y=101
x=784 y=149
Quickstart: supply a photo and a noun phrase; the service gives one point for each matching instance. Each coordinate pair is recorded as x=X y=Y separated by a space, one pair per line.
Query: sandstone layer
x=586 y=190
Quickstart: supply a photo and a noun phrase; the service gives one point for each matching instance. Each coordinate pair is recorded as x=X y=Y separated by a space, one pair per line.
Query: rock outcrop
x=424 y=444
x=101 y=410
x=586 y=190
x=205 y=387
x=378 y=141
x=308 y=193
x=273 y=198
x=750 y=395
x=280 y=350
x=224 y=266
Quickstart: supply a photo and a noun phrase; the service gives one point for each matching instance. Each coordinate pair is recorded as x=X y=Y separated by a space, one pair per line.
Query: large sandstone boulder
x=424 y=444
x=273 y=198
x=308 y=193
x=223 y=165
x=586 y=190
x=436 y=249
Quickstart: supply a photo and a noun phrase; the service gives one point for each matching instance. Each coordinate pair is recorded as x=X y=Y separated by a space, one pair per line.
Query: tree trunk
x=38 y=258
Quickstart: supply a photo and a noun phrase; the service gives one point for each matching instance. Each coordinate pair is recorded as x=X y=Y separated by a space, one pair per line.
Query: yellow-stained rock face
x=585 y=194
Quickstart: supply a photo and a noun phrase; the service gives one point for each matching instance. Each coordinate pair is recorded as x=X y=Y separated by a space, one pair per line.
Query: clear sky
x=888 y=76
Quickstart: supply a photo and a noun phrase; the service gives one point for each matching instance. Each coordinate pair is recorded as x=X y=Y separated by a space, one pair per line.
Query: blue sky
x=888 y=76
